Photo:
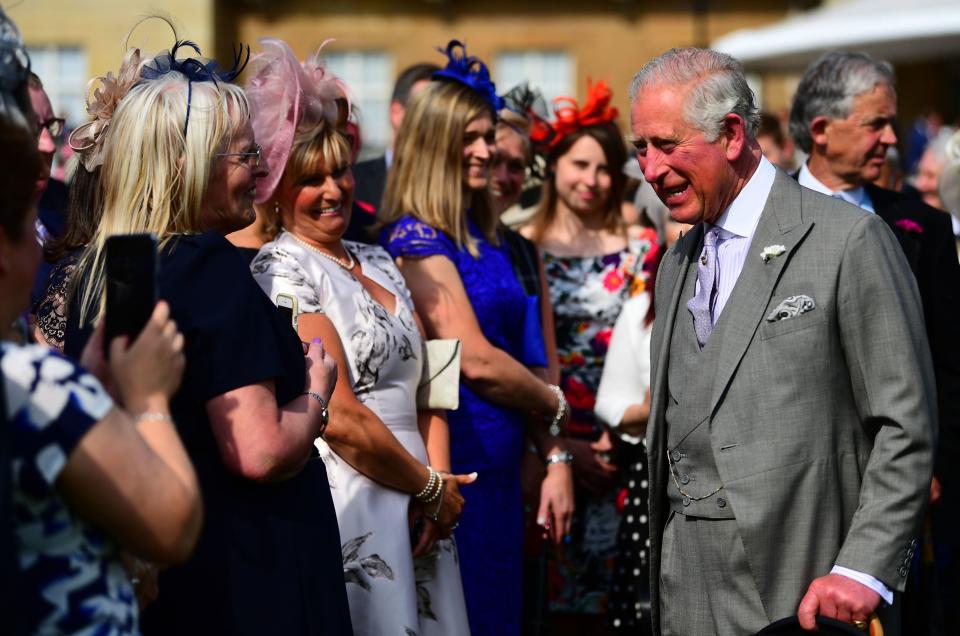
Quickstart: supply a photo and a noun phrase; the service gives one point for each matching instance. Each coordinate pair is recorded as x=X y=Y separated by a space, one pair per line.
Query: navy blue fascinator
x=469 y=71
x=196 y=69
x=523 y=100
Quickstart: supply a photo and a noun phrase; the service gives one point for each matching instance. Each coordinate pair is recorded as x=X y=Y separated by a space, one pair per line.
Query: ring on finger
x=861 y=625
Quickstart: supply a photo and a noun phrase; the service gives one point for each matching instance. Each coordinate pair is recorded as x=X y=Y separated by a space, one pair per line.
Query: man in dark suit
x=842 y=116
x=371 y=175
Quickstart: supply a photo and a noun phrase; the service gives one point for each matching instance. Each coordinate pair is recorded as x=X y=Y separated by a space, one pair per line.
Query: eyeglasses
x=256 y=154
x=54 y=126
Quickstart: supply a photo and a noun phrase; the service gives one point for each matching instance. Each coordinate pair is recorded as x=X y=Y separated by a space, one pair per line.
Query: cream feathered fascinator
x=87 y=139
x=286 y=95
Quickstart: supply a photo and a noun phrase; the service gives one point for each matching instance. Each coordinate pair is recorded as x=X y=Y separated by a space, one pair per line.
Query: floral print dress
x=389 y=592
x=587 y=294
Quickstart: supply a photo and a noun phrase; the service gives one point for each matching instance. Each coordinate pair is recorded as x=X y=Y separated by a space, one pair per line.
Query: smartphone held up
x=131 y=285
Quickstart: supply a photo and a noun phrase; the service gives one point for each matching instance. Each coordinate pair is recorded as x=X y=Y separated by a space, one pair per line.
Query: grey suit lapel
x=781 y=223
x=674 y=273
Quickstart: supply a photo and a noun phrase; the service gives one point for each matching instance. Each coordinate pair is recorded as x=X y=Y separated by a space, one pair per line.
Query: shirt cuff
x=865 y=579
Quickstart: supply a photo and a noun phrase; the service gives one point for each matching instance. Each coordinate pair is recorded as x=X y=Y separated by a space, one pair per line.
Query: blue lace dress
x=484 y=437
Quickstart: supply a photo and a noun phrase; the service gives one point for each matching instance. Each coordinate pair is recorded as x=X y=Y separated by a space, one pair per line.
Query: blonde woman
x=378 y=446
x=442 y=231
x=81 y=475
x=251 y=403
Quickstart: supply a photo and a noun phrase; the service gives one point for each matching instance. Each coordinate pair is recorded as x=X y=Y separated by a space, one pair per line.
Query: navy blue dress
x=268 y=560
x=484 y=437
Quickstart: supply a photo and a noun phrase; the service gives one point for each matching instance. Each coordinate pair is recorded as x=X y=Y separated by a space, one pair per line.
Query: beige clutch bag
x=440 y=383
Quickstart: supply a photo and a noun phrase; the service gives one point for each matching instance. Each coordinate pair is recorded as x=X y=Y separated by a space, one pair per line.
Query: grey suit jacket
x=822 y=425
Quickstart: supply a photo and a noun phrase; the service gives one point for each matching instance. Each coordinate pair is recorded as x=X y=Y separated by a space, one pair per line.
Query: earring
x=276 y=208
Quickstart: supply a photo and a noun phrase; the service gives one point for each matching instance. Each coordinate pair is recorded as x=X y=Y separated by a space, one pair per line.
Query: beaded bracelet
x=554 y=427
x=431 y=484
x=437 y=492
x=435 y=515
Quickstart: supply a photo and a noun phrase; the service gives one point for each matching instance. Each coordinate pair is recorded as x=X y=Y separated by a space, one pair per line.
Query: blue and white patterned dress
x=71 y=580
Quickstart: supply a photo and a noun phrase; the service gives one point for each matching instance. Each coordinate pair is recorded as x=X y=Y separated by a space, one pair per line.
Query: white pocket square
x=791 y=307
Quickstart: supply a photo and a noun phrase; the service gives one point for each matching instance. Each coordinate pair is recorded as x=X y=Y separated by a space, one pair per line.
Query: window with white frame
x=63 y=71
x=369 y=74
x=551 y=72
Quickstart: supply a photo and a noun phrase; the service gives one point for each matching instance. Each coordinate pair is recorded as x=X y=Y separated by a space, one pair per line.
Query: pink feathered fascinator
x=286 y=95
x=87 y=139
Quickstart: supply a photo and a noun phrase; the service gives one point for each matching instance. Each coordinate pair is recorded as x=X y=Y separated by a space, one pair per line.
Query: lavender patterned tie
x=701 y=305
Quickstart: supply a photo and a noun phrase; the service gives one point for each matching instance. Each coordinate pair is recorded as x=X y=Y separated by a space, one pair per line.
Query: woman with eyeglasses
x=83 y=472
x=252 y=402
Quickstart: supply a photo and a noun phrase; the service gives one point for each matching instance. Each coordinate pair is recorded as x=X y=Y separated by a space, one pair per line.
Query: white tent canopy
x=894 y=30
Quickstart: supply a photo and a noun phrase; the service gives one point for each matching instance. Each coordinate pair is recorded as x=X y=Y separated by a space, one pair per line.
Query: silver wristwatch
x=561 y=457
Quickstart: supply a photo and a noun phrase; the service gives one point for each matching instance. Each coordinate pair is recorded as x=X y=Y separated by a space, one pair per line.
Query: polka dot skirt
x=629 y=609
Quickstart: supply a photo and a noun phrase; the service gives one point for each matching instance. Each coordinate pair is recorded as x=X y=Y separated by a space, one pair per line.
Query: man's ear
x=733 y=135
x=397 y=111
x=818 y=130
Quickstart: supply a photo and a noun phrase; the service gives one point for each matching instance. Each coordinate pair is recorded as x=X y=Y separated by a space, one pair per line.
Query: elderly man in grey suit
x=790 y=437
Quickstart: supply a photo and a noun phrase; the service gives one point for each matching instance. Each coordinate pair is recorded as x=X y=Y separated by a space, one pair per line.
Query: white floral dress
x=389 y=593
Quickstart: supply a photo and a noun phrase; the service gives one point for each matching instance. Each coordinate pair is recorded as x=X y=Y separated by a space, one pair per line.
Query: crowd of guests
x=236 y=469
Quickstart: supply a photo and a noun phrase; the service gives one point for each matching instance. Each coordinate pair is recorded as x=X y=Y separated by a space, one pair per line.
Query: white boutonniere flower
x=772 y=251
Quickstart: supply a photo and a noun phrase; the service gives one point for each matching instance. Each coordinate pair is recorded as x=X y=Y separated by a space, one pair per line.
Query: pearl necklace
x=347 y=265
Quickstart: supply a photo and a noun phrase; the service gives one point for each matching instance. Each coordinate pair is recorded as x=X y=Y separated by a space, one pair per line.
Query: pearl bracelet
x=438 y=491
x=431 y=485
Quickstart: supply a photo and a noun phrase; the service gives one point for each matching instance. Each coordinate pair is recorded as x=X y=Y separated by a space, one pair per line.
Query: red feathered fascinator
x=569 y=117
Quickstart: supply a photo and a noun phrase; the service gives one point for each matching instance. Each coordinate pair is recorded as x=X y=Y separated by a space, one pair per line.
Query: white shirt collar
x=743 y=213
x=857 y=196
x=956 y=225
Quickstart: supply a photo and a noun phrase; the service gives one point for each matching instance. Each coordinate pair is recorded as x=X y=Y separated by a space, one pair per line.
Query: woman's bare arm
x=446 y=312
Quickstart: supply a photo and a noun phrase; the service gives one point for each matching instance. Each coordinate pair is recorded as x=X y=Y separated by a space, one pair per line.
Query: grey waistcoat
x=690 y=375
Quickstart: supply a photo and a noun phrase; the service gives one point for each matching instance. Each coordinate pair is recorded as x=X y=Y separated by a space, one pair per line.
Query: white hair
x=719 y=88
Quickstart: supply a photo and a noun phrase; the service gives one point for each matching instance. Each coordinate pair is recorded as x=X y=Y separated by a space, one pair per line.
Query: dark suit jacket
x=371 y=180
x=932 y=255
x=370 y=177
x=52 y=213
